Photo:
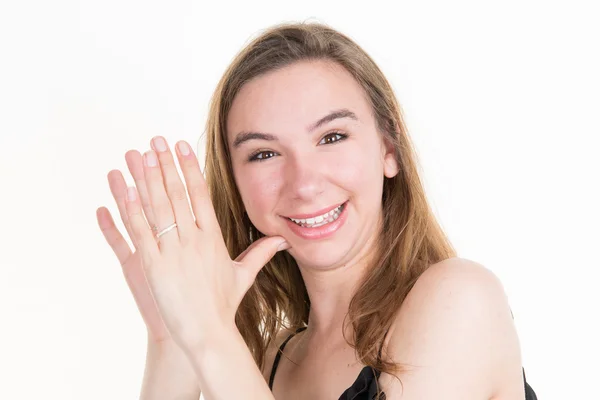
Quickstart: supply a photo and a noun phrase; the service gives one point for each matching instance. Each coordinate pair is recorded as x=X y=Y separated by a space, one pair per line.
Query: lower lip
x=320 y=232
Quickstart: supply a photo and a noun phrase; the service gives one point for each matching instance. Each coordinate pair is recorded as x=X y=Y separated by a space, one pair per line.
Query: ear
x=390 y=165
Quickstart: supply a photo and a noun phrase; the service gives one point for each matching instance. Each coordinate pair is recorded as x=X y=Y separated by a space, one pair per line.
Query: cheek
x=259 y=189
x=357 y=169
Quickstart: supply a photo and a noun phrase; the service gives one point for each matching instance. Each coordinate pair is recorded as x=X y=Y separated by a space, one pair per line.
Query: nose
x=304 y=177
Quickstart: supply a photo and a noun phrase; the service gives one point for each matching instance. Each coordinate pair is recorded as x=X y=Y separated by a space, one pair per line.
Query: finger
x=197 y=188
x=144 y=240
x=176 y=191
x=258 y=254
x=112 y=235
x=161 y=205
x=118 y=188
x=136 y=169
x=241 y=256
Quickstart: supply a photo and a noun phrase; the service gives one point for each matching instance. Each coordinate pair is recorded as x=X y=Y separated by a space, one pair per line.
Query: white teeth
x=321 y=219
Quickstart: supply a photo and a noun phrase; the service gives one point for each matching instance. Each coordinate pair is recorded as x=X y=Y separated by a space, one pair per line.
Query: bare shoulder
x=456 y=334
x=458 y=273
x=272 y=351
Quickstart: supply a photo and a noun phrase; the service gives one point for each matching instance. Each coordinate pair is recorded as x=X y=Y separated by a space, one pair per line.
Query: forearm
x=168 y=375
x=226 y=370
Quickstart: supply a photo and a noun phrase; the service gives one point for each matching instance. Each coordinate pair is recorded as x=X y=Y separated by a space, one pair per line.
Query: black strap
x=278 y=356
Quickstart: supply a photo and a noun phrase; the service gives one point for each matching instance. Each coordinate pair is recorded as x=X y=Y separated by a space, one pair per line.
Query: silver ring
x=167 y=229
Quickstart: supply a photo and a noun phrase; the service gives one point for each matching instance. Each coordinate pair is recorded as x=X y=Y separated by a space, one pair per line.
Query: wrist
x=213 y=339
x=167 y=349
x=168 y=374
x=222 y=352
x=168 y=355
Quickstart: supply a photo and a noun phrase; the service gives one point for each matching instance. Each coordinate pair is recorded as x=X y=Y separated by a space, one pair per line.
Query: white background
x=501 y=99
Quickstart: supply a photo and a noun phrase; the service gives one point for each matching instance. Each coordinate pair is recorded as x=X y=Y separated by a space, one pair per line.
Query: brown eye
x=333 y=137
x=261 y=156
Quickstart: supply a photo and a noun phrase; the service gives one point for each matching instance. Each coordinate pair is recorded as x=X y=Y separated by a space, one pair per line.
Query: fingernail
x=160 y=144
x=283 y=246
x=131 y=194
x=150 y=159
x=184 y=149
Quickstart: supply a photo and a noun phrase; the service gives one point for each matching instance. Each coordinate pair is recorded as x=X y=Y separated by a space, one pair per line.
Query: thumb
x=254 y=258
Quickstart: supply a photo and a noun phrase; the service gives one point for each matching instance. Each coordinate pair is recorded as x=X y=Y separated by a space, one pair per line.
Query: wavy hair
x=410 y=238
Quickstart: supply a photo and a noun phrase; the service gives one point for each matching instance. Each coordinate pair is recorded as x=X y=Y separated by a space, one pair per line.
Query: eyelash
x=253 y=156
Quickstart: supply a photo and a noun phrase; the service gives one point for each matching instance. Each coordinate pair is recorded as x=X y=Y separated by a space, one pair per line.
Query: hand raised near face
x=196 y=285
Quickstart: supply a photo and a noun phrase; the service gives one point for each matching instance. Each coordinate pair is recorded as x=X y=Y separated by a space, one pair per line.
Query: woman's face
x=287 y=164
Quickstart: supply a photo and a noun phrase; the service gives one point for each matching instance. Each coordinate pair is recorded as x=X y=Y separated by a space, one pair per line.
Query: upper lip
x=315 y=214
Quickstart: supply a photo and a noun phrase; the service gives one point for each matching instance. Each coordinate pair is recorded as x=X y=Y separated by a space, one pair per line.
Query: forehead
x=294 y=97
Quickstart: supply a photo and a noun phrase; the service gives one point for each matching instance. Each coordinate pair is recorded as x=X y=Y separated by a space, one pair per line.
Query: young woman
x=310 y=265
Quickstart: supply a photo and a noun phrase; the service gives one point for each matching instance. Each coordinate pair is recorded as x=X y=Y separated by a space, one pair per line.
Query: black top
x=365 y=385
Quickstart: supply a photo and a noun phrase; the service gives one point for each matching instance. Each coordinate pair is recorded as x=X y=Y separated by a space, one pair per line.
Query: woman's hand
x=130 y=261
x=196 y=285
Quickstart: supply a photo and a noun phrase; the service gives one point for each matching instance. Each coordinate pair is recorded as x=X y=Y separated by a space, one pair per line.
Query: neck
x=330 y=292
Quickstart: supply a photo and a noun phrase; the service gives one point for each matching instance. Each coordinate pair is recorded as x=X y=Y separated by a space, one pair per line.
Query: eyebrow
x=337 y=114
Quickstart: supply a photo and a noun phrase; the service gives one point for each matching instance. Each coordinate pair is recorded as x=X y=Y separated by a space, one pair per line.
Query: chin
x=323 y=258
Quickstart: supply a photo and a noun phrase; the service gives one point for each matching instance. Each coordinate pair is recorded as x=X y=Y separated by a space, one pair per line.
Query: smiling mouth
x=320 y=220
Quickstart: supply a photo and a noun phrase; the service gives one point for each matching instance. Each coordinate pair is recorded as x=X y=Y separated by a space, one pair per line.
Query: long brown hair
x=410 y=238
